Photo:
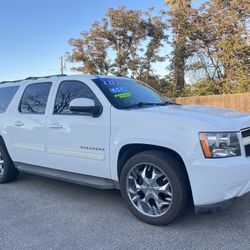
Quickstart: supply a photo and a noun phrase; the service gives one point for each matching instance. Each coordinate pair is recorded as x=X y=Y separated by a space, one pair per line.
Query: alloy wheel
x=1 y=164
x=149 y=189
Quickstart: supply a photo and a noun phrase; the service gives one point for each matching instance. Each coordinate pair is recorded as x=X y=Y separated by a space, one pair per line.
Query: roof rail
x=33 y=78
x=38 y=77
x=11 y=81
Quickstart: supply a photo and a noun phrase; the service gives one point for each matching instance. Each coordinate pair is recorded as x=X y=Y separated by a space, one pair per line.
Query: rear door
x=78 y=142
x=28 y=124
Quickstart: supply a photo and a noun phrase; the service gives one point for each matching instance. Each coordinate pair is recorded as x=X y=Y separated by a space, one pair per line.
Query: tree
x=217 y=36
x=125 y=42
x=178 y=10
x=211 y=45
x=91 y=51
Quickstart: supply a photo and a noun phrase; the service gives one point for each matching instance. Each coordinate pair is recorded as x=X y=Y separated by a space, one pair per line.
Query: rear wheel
x=155 y=187
x=8 y=172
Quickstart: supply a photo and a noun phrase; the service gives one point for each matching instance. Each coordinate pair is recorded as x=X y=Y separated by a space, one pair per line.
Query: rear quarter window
x=6 y=96
x=35 y=97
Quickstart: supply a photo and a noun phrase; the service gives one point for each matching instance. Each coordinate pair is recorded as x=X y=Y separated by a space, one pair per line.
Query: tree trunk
x=179 y=63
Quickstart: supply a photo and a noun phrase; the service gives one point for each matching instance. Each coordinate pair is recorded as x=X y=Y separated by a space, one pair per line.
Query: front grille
x=247 y=148
x=245 y=132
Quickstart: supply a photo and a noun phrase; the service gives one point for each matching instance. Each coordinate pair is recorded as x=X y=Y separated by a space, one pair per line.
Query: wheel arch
x=4 y=142
x=129 y=150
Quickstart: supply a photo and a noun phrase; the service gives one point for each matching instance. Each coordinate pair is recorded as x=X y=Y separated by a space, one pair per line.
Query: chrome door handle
x=18 y=123
x=55 y=125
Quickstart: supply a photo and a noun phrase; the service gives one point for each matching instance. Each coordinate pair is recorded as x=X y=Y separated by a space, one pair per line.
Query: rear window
x=35 y=97
x=6 y=96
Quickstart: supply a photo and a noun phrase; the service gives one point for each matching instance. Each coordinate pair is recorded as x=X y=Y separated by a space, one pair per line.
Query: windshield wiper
x=143 y=104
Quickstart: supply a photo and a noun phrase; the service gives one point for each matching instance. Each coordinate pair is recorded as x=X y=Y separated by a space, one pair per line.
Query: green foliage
x=213 y=87
x=217 y=38
x=211 y=44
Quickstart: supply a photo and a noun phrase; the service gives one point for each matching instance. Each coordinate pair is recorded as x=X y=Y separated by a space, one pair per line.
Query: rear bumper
x=214 y=181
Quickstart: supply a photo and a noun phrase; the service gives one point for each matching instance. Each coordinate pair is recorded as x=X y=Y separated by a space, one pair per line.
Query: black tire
x=177 y=176
x=10 y=173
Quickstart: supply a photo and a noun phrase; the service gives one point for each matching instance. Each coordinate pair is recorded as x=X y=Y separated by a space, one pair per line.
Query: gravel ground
x=40 y=213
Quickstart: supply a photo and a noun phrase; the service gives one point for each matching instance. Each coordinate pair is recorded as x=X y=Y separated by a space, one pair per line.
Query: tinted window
x=68 y=91
x=6 y=96
x=123 y=92
x=35 y=98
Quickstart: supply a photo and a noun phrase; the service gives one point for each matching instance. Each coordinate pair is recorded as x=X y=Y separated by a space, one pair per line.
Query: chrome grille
x=245 y=134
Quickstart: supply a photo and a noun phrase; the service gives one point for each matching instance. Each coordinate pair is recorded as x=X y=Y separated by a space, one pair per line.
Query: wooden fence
x=240 y=102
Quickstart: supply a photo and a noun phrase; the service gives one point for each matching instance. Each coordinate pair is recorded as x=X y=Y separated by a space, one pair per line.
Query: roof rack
x=33 y=78
x=11 y=81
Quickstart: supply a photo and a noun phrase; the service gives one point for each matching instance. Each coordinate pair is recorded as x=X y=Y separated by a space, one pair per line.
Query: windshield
x=127 y=93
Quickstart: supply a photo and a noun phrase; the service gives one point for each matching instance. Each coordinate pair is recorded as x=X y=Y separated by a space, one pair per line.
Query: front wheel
x=155 y=187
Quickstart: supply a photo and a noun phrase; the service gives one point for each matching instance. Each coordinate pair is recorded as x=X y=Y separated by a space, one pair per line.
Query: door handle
x=18 y=123
x=55 y=125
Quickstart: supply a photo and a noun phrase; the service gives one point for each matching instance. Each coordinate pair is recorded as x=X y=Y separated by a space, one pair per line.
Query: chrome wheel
x=149 y=189
x=1 y=164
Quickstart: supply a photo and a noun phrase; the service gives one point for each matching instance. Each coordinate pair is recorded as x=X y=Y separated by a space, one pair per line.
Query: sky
x=34 y=34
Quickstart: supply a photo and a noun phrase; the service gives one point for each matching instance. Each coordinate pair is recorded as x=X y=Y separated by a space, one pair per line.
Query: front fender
x=177 y=133
x=118 y=145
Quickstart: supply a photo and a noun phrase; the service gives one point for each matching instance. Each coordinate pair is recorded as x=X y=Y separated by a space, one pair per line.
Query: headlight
x=219 y=145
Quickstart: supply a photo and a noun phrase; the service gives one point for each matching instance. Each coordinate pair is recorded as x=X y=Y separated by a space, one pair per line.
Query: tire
x=155 y=187
x=8 y=172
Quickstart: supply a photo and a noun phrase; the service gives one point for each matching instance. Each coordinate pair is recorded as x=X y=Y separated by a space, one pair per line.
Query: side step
x=80 y=179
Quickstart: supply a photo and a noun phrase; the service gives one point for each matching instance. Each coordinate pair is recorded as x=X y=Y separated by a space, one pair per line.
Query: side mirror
x=85 y=105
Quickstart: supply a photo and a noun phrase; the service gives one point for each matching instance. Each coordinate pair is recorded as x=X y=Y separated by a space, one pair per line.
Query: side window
x=6 y=96
x=35 y=97
x=68 y=91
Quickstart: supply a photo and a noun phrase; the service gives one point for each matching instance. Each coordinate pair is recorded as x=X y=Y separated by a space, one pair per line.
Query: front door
x=77 y=142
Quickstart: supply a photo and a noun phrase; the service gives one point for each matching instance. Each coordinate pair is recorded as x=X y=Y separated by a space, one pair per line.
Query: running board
x=84 y=180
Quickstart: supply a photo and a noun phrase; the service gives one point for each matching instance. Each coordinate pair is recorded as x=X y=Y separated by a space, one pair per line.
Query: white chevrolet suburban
x=114 y=132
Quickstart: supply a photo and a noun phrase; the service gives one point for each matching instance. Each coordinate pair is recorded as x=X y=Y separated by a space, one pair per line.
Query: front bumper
x=212 y=208
x=217 y=180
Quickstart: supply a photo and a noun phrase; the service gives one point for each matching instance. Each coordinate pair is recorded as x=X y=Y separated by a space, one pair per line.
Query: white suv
x=112 y=132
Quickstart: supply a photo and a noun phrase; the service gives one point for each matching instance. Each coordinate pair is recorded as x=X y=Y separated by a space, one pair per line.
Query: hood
x=225 y=119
